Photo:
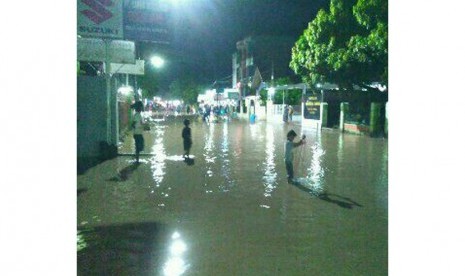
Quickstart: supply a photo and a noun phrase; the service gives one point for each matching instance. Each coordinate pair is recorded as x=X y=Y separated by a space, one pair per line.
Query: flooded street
x=230 y=211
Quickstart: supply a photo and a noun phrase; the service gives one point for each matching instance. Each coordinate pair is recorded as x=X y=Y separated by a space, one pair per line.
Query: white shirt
x=289 y=154
x=138 y=127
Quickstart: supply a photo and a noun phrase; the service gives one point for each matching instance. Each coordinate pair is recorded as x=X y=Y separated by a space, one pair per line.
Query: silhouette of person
x=187 y=138
x=138 y=128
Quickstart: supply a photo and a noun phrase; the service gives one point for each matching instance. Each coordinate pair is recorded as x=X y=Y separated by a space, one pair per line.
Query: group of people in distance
x=138 y=122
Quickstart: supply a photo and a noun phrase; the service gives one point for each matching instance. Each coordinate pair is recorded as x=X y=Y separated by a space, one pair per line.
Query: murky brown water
x=232 y=211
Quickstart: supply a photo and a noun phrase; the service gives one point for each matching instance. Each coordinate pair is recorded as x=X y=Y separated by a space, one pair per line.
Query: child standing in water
x=289 y=155
x=187 y=138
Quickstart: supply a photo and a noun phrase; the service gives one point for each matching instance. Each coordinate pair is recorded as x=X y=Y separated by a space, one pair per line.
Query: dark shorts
x=139 y=139
x=187 y=144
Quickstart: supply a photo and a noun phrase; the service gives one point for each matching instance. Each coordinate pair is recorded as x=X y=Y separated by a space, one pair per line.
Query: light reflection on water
x=175 y=264
x=340 y=149
x=253 y=131
x=226 y=164
x=315 y=172
x=209 y=155
x=158 y=161
x=270 y=174
x=209 y=146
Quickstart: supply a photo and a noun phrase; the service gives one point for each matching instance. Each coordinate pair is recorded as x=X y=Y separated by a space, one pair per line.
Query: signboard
x=116 y=51
x=90 y=49
x=146 y=20
x=100 y=18
x=131 y=69
x=122 y=51
x=233 y=95
x=312 y=106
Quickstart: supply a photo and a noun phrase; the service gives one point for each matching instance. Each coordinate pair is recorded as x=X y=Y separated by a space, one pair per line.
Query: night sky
x=205 y=33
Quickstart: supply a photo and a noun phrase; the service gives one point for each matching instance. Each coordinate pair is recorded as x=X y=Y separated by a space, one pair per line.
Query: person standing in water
x=291 y=112
x=138 y=128
x=289 y=155
x=187 y=138
x=285 y=113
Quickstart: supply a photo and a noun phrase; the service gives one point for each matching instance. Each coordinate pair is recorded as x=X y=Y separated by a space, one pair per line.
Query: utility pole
x=242 y=47
x=272 y=73
x=234 y=68
x=108 y=88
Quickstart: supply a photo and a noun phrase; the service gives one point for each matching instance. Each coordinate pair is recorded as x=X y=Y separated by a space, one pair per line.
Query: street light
x=157 y=61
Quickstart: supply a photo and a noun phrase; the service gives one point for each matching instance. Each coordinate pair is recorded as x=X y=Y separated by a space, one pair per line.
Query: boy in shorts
x=289 y=155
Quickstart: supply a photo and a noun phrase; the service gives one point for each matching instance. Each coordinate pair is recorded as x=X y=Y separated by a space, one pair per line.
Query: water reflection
x=159 y=159
x=226 y=164
x=382 y=179
x=176 y=265
x=209 y=146
x=270 y=175
x=81 y=241
x=123 y=249
x=340 y=149
x=253 y=131
x=315 y=173
x=208 y=154
x=238 y=141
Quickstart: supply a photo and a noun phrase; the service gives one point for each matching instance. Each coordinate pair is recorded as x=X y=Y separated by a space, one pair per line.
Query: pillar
x=343 y=114
x=323 y=114
x=386 y=121
x=375 y=115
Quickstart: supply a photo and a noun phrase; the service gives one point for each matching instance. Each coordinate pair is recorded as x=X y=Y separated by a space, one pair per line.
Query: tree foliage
x=346 y=45
x=149 y=83
x=184 y=89
x=291 y=96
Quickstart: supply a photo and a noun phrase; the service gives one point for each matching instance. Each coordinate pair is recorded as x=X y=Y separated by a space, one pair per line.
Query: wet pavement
x=230 y=211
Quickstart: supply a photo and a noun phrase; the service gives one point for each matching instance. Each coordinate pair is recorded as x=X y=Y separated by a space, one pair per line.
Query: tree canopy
x=346 y=45
x=291 y=96
x=184 y=89
x=149 y=82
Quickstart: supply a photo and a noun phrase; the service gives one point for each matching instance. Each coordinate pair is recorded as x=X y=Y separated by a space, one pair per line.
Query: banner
x=100 y=18
x=147 y=20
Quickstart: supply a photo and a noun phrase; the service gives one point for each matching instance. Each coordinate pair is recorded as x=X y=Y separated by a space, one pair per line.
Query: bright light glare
x=157 y=61
x=175 y=236
x=174 y=267
x=175 y=264
x=125 y=90
x=210 y=93
x=178 y=247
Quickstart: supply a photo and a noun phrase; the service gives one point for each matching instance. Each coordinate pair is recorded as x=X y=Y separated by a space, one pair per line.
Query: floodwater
x=230 y=210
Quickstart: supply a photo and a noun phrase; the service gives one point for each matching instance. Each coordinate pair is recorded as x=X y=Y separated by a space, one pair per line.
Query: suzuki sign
x=100 y=18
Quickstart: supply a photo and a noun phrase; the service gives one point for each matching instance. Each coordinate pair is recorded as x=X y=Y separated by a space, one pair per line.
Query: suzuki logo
x=98 y=13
